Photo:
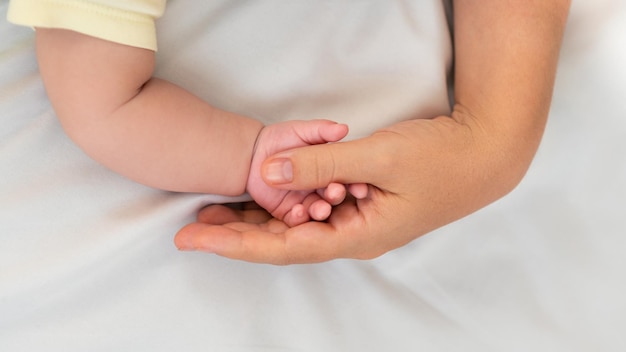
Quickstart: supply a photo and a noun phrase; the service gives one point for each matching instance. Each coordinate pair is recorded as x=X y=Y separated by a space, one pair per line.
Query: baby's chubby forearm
x=144 y=128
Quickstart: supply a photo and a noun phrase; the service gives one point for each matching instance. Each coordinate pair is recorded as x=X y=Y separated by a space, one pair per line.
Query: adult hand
x=422 y=174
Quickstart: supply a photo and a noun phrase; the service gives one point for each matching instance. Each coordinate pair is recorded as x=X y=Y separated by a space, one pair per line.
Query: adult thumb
x=316 y=166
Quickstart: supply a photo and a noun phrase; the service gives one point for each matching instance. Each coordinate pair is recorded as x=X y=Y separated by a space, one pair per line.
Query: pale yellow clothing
x=129 y=22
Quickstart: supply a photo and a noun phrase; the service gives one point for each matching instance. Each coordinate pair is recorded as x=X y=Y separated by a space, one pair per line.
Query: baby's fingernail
x=278 y=171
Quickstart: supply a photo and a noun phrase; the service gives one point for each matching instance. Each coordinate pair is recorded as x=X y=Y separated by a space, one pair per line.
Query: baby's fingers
x=320 y=131
x=313 y=207
x=320 y=210
x=334 y=193
x=358 y=190
x=297 y=215
x=333 y=132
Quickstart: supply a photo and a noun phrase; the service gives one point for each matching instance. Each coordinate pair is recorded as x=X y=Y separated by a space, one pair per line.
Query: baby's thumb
x=316 y=166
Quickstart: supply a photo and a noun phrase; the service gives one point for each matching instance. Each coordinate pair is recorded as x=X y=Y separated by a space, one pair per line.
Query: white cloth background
x=86 y=257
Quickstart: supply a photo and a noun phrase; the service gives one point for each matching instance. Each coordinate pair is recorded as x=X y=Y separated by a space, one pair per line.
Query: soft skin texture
x=159 y=134
x=294 y=207
x=444 y=168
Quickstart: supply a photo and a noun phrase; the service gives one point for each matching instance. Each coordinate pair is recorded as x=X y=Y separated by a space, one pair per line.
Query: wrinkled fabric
x=87 y=261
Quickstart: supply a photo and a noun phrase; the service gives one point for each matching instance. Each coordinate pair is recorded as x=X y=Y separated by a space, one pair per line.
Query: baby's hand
x=295 y=207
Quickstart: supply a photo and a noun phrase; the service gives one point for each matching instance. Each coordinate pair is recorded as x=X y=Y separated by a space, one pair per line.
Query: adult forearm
x=506 y=54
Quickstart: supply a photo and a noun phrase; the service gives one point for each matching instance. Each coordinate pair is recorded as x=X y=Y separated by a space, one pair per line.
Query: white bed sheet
x=87 y=261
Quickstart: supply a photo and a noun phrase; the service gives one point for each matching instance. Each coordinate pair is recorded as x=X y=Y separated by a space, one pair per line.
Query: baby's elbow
x=81 y=126
x=87 y=79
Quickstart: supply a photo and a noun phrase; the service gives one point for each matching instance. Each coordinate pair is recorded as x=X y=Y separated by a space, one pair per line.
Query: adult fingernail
x=184 y=243
x=278 y=171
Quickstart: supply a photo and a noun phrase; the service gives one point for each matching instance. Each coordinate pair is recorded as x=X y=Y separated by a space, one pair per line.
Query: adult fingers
x=221 y=214
x=360 y=161
x=268 y=243
x=348 y=233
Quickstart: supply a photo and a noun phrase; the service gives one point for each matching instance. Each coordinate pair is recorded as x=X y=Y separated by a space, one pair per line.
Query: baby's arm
x=160 y=135
x=144 y=128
